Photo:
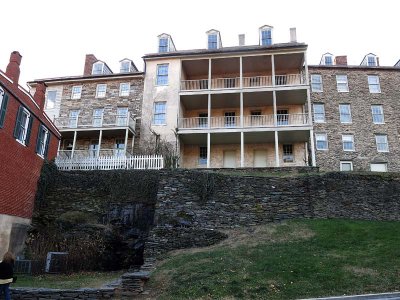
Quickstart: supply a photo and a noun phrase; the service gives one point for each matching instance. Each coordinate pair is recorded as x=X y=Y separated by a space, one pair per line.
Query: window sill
x=159 y=124
x=383 y=151
x=322 y=149
x=379 y=123
x=317 y=91
x=22 y=143
x=41 y=156
x=160 y=85
x=343 y=91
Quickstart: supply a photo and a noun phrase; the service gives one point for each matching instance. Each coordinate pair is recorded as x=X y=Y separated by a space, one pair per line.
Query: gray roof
x=354 y=67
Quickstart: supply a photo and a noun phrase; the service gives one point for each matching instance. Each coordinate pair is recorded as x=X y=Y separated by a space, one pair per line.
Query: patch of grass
x=72 y=281
x=298 y=259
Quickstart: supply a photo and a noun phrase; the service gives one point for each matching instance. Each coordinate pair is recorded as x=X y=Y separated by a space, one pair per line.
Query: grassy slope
x=293 y=260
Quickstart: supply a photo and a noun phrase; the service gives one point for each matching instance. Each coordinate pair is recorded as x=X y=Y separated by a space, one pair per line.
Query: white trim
x=25 y=126
x=157 y=68
x=342 y=82
x=348 y=138
x=154 y=113
x=372 y=112
x=97 y=90
x=340 y=114
x=343 y=162
x=323 y=108
x=317 y=135
x=311 y=84
x=379 y=164
x=386 y=142
x=128 y=90
x=374 y=84
x=78 y=95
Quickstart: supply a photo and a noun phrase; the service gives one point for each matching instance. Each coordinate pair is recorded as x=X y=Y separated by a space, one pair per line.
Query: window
x=73 y=118
x=266 y=37
x=101 y=90
x=382 y=143
x=124 y=89
x=163 y=45
x=321 y=141
x=51 y=99
x=377 y=114
x=348 y=142
x=319 y=113
x=379 y=167
x=371 y=61
x=288 y=153
x=328 y=60
x=119 y=147
x=3 y=106
x=125 y=66
x=316 y=83
x=230 y=119
x=345 y=113
x=373 y=83
x=159 y=113
x=341 y=82
x=23 y=126
x=282 y=117
x=346 y=166
x=97 y=68
x=93 y=148
x=122 y=116
x=42 y=143
x=202 y=155
x=162 y=74
x=212 y=41
x=98 y=117
x=76 y=92
x=203 y=120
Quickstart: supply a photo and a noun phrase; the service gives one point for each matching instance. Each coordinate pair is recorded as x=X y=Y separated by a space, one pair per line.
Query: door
x=260 y=159
x=230 y=119
x=203 y=120
x=283 y=117
x=119 y=147
x=230 y=159
x=93 y=147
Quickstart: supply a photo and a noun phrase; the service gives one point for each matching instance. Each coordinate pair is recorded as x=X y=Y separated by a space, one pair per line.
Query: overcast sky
x=53 y=36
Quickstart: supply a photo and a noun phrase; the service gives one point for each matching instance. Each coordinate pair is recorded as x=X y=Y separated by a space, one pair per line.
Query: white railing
x=248 y=121
x=248 y=82
x=93 y=153
x=90 y=121
x=141 y=162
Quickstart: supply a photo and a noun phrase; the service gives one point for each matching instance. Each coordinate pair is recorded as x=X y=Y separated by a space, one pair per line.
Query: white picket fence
x=140 y=162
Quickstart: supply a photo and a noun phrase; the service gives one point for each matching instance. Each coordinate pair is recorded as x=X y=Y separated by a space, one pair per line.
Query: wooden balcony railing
x=248 y=121
x=248 y=82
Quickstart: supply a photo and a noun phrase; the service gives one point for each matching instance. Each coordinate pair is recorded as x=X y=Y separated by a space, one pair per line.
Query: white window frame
x=375 y=61
x=202 y=160
x=341 y=116
x=261 y=36
x=315 y=83
x=122 y=116
x=374 y=87
x=342 y=83
x=216 y=41
x=24 y=127
x=101 y=94
x=43 y=142
x=383 y=163
x=124 y=92
x=94 y=68
x=324 y=57
x=319 y=120
x=346 y=162
x=73 y=124
x=325 y=139
x=76 y=94
x=48 y=98
x=124 y=70
x=98 y=118
x=160 y=113
x=118 y=151
x=162 y=47
x=348 y=138
x=162 y=76
x=380 y=114
x=385 y=142
x=1 y=96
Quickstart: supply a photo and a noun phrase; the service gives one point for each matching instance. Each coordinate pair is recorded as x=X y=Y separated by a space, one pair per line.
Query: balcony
x=96 y=122
x=248 y=82
x=252 y=121
x=94 y=153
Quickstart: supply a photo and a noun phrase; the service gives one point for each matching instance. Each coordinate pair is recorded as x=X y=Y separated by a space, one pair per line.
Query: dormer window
x=370 y=60
x=100 y=68
x=165 y=43
x=212 y=41
x=125 y=67
x=266 y=35
x=327 y=60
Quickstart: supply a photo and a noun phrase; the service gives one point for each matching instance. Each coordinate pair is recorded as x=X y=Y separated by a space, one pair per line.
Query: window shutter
x=28 y=131
x=46 y=147
x=17 y=128
x=3 y=110
x=39 y=139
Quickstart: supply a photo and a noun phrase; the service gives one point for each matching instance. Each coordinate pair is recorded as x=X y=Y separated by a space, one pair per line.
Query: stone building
x=355 y=113
x=27 y=138
x=242 y=106
x=97 y=113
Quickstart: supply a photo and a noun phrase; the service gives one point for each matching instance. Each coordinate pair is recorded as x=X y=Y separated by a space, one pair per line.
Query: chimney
x=293 y=37
x=39 y=96
x=90 y=59
x=13 y=70
x=241 y=39
x=341 y=60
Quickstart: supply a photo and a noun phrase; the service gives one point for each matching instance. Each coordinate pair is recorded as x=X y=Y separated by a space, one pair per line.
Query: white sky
x=53 y=36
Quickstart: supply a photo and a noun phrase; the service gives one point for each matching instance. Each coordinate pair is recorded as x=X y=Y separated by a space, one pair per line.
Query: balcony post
x=309 y=121
x=208 y=150
x=306 y=69
x=126 y=140
x=100 y=137
x=241 y=72
x=242 y=149
x=276 y=149
x=209 y=111
x=73 y=144
x=133 y=142
x=273 y=69
x=209 y=73
x=312 y=147
x=274 y=108
x=241 y=109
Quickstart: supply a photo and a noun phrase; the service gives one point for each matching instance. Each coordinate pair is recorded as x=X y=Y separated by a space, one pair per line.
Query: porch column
x=209 y=73
x=274 y=108
x=312 y=147
x=126 y=140
x=273 y=69
x=241 y=72
x=209 y=111
x=241 y=109
x=58 y=148
x=276 y=149
x=208 y=150
x=73 y=144
x=133 y=142
x=309 y=116
x=242 y=149
x=100 y=137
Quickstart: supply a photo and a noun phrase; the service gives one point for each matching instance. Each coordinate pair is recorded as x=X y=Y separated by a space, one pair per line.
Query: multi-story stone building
x=243 y=106
x=96 y=113
x=27 y=138
x=356 y=111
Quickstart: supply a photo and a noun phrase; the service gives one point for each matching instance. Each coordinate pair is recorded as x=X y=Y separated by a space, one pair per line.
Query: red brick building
x=27 y=138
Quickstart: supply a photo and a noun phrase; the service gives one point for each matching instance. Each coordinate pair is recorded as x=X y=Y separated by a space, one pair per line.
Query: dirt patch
x=360 y=271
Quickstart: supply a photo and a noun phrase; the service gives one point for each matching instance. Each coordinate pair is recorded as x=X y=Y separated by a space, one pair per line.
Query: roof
x=355 y=67
x=234 y=49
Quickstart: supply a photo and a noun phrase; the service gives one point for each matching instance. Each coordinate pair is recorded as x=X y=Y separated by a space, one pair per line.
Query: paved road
x=386 y=296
